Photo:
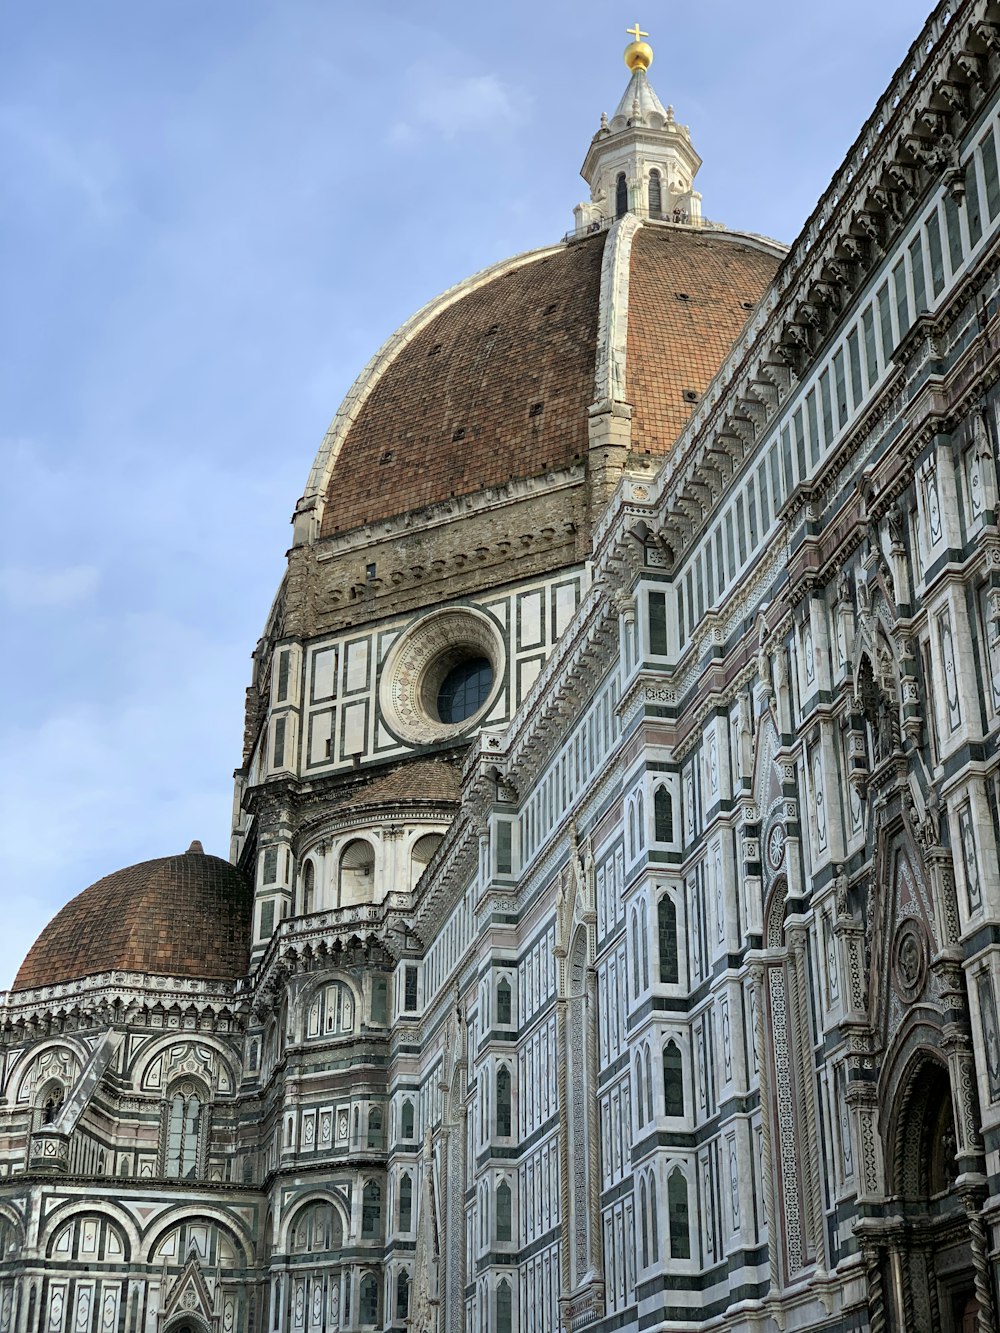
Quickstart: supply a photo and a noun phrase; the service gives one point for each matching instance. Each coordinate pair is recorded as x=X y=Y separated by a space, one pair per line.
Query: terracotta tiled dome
x=493 y=382
x=179 y=916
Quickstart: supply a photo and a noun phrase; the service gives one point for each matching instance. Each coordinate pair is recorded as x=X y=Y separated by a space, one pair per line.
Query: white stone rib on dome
x=309 y=510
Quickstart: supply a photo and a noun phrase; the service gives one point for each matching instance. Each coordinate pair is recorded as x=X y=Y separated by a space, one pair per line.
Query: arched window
x=677 y=1206
x=673 y=1080
x=51 y=1102
x=423 y=849
x=640 y=1093
x=663 y=815
x=503 y=1102
x=357 y=873
x=639 y=822
x=621 y=195
x=504 y=1212
x=654 y=1227
x=406 y=1119
x=649 y=1086
x=655 y=194
x=331 y=1011
x=644 y=941
x=402 y=1295
x=10 y=1241
x=374 y=1126
x=666 y=924
x=643 y=1224
x=184 y=1110
x=371 y=1211
x=504 y=1004
x=406 y=1203
x=317 y=1229
x=368 y=1300
x=308 y=887
x=635 y=953
x=505 y=1307
x=631 y=831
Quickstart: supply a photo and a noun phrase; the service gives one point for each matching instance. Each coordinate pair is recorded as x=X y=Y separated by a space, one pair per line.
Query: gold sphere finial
x=638 y=54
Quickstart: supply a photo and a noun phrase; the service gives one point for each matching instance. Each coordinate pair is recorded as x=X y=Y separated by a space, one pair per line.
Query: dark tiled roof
x=180 y=916
x=418 y=780
x=689 y=293
x=497 y=386
x=458 y=410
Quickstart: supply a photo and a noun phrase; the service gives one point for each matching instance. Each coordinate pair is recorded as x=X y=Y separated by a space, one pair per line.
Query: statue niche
x=878 y=700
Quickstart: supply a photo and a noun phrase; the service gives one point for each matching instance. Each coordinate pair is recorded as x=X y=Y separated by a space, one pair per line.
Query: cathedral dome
x=177 y=916
x=493 y=381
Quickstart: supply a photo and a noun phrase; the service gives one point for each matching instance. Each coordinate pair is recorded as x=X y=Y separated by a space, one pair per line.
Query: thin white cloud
x=88 y=170
x=28 y=588
x=446 y=108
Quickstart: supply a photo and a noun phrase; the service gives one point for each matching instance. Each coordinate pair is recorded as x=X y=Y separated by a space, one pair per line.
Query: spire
x=641 y=160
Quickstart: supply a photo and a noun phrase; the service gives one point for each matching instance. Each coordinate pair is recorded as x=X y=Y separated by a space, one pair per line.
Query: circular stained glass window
x=464 y=689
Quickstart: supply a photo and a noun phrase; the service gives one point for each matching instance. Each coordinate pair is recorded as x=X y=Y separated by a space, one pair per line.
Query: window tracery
x=331 y=1012
x=184 y=1110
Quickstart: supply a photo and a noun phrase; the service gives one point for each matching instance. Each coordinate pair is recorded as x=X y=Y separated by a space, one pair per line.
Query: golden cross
x=636 y=32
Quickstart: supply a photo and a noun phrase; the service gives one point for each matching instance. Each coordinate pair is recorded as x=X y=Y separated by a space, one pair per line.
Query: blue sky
x=211 y=213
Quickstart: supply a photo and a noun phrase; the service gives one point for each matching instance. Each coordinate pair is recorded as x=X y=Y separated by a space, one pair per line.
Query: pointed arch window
x=666 y=924
x=374 y=1127
x=184 y=1116
x=402 y=1295
x=655 y=194
x=677 y=1206
x=673 y=1080
x=635 y=954
x=504 y=1212
x=406 y=1203
x=663 y=815
x=654 y=1226
x=644 y=941
x=503 y=1102
x=308 y=887
x=505 y=1307
x=640 y=1092
x=52 y=1100
x=371 y=1211
x=643 y=1224
x=368 y=1300
x=621 y=195
x=504 y=1003
x=406 y=1119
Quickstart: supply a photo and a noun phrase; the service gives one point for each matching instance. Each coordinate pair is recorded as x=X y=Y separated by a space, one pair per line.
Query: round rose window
x=442 y=676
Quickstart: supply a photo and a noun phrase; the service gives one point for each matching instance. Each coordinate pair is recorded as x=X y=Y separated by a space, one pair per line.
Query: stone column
x=767 y=1166
x=798 y=975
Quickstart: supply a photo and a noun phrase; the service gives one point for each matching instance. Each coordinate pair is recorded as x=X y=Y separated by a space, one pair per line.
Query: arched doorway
x=186 y=1321
x=936 y=1274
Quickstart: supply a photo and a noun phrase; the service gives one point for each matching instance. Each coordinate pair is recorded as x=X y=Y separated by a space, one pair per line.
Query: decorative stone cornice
x=117 y=999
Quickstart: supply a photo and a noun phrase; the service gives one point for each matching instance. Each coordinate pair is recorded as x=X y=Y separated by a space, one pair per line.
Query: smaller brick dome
x=178 y=916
